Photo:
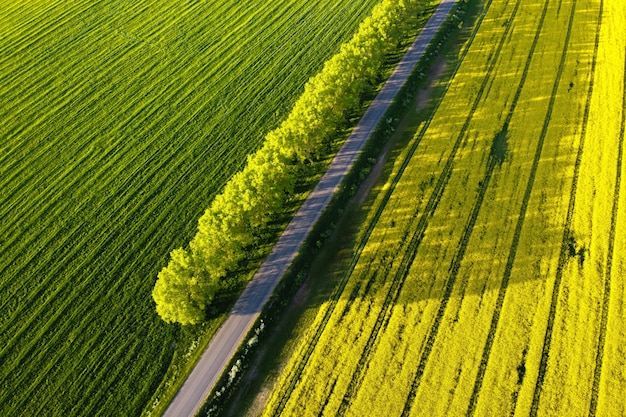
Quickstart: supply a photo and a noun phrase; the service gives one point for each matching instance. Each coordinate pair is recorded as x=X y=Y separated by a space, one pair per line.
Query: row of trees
x=230 y=225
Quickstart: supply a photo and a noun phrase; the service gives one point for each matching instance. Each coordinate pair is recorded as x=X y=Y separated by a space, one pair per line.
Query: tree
x=182 y=291
x=235 y=220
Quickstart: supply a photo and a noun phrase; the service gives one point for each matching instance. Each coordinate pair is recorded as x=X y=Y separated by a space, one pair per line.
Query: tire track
x=522 y=215
x=401 y=274
x=567 y=234
x=355 y=259
x=408 y=257
x=494 y=160
x=609 y=261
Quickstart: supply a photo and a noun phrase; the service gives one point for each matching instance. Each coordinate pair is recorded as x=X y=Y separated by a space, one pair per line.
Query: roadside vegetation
x=488 y=276
x=234 y=224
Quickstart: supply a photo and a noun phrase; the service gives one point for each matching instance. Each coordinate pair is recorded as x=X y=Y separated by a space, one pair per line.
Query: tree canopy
x=182 y=291
x=229 y=227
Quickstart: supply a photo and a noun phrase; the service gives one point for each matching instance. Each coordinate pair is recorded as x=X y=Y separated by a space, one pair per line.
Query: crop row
x=606 y=298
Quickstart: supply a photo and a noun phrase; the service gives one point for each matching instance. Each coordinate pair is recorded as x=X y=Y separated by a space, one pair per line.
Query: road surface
x=213 y=361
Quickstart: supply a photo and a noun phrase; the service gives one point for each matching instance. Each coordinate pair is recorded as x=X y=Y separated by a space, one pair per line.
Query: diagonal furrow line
x=455 y=265
x=520 y=223
x=597 y=374
x=454 y=271
x=562 y=256
x=401 y=274
x=312 y=343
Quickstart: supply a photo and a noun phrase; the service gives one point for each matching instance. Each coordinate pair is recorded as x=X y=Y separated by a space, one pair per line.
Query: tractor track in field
x=394 y=291
x=401 y=274
x=567 y=233
x=521 y=218
x=597 y=374
x=456 y=262
x=336 y=295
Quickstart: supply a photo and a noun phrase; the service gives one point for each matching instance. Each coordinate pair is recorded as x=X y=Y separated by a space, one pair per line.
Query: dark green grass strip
x=365 y=238
x=327 y=400
x=520 y=222
x=456 y=262
x=597 y=374
x=545 y=353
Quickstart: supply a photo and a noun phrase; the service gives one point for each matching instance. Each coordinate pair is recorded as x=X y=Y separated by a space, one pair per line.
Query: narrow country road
x=248 y=307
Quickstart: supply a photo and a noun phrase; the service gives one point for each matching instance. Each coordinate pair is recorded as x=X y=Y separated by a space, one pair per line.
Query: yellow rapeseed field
x=488 y=278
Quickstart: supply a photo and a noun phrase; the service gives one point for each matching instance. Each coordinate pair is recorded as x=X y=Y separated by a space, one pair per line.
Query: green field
x=489 y=275
x=119 y=122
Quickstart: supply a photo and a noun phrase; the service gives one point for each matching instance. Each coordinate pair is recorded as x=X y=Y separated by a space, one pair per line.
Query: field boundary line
x=247 y=309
